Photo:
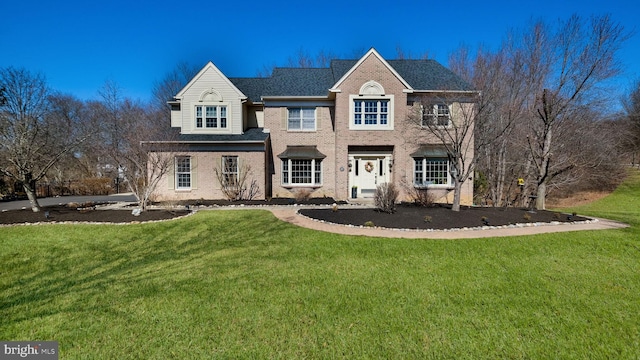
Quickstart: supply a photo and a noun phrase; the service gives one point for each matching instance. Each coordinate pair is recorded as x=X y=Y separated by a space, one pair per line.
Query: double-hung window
x=183 y=172
x=371 y=112
x=230 y=170
x=431 y=171
x=211 y=116
x=301 y=119
x=302 y=172
x=436 y=115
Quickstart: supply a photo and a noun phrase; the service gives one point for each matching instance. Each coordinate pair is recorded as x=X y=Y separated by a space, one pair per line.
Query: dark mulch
x=438 y=217
x=406 y=216
x=272 y=201
x=89 y=214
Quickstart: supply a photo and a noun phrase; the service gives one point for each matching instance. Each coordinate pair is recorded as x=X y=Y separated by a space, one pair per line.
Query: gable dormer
x=209 y=104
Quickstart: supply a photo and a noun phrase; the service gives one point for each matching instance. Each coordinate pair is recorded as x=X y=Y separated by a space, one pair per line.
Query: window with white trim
x=367 y=112
x=431 y=171
x=371 y=112
x=230 y=170
x=436 y=115
x=301 y=119
x=183 y=172
x=211 y=116
x=302 y=172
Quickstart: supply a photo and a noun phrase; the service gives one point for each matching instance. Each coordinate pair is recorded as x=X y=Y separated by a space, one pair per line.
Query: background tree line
x=545 y=115
x=47 y=136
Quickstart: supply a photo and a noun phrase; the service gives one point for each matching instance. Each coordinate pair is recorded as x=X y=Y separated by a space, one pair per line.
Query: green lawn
x=241 y=284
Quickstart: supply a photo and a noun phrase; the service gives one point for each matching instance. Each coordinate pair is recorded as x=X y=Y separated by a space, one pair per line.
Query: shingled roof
x=420 y=74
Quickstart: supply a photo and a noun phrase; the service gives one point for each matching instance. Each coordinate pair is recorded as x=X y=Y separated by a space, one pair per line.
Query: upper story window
x=211 y=116
x=436 y=115
x=301 y=119
x=371 y=112
x=371 y=109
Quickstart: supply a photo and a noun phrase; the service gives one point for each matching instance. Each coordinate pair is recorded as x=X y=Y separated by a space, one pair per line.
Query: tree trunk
x=456 y=195
x=541 y=194
x=31 y=194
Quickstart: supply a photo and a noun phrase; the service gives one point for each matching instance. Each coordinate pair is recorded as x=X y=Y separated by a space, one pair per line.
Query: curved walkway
x=291 y=215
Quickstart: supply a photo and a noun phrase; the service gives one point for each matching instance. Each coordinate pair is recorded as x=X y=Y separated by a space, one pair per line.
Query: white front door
x=367 y=172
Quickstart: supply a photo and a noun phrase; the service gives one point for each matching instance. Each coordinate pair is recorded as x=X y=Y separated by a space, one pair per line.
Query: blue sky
x=78 y=45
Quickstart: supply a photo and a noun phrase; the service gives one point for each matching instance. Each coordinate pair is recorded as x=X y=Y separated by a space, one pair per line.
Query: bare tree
x=136 y=142
x=235 y=181
x=501 y=78
x=573 y=61
x=165 y=89
x=32 y=138
x=536 y=93
x=632 y=121
x=449 y=117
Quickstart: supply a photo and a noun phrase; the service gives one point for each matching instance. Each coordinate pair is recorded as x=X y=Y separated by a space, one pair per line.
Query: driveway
x=19 y=204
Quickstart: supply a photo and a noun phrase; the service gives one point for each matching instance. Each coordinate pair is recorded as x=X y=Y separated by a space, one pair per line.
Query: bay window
x=431 y=171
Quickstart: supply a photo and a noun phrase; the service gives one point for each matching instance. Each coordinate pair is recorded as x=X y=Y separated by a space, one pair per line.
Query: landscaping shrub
x=385 y=197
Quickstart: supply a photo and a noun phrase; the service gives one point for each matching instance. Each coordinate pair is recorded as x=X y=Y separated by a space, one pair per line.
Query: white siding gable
x=210 y=87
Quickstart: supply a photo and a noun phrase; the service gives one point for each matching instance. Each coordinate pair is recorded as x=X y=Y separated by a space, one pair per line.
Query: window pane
x=199 y=116
x=308 y=119
x=418 y=180
x=285 y=171
x=211 y=120
x=300 y=171
x=230 y=170
x=370 y=119
x=223 y=116
x=384 y=106
x=371 y=107
x=294 y=119
x=318 y=172
x=183 y=172
x=436 y=171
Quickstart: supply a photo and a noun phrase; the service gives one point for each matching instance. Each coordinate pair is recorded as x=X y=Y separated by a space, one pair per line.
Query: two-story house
x=332 y=132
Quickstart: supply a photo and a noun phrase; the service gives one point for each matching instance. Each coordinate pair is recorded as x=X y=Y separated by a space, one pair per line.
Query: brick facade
x=343 y=145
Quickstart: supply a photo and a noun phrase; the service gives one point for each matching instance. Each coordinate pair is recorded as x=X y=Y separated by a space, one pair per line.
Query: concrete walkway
x=290 y=214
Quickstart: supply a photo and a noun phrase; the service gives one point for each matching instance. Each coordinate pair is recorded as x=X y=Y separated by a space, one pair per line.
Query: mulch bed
x=62 y=213
x=438 y=217
x=407 y=216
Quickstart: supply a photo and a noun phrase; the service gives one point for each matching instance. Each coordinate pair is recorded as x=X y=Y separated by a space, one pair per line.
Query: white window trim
x=449 y=183
x=313 y=173
x=302 y=129
x=204 y=128
x=434 y=114
x=178 y=173
x=390 y=110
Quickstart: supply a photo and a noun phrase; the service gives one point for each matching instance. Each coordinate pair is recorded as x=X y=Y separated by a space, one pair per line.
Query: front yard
x=241 y=284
